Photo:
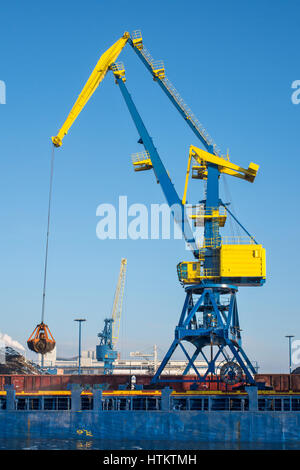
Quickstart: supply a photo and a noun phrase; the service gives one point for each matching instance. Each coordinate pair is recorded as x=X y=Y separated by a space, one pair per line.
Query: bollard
x=166 y=398
x=253 y=399
x=97 y=400
x=10 y=397
x=75 y=397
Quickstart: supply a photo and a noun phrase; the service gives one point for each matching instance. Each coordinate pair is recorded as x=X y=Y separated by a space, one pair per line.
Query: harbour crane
x=209 y=317
x=105 y=351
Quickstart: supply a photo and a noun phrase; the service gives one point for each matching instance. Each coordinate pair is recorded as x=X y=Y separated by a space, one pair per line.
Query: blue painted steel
x=104 y=351
x=169 y=95
x=219 y=325
x=162 y=176
x=207 y=321
x=231 y=427
x=212 y=238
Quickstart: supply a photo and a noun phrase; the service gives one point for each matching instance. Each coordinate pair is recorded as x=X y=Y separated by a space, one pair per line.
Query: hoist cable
x=47 y=236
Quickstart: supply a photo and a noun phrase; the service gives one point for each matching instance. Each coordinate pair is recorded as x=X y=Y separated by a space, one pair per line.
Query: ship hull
x=185 y=426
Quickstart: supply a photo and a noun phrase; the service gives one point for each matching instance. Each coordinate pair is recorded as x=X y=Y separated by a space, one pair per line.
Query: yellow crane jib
x=96 y=77
x=225 y=166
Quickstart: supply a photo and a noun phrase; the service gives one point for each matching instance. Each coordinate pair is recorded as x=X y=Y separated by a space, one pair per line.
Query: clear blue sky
x=233 y=62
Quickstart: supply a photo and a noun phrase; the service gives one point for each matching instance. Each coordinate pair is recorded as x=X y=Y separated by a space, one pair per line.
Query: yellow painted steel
x=137 y=39
x=192 y=272
x=141 y=161
x=118 y=302
x=235 y=261
x=225 y=166
x=243 y=261
x=118 y=70
x=187 y=178
x=157 y=393
x=219 y=214
x=159 y=69
x=99 y=72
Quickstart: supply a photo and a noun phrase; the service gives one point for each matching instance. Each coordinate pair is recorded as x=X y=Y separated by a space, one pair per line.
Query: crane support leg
x=208 y=322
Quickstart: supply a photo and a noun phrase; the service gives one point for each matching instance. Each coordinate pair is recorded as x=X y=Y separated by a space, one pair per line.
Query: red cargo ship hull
x=32 y=383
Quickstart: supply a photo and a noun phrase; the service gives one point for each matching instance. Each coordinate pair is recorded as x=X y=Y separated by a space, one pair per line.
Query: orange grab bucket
x=41 y=341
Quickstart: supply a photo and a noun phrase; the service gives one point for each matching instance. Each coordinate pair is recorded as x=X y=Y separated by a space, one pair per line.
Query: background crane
x=105 y=351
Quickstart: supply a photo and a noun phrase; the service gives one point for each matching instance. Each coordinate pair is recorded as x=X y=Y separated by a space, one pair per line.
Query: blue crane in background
x=105 y=351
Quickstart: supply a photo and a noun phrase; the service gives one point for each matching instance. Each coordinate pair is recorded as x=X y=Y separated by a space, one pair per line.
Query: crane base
x=209 y=319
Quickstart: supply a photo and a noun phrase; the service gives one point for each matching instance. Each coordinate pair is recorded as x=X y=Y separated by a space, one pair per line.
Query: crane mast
x=105 y=351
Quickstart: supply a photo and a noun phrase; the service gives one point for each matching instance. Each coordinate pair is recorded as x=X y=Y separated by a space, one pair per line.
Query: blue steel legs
x=209 y=318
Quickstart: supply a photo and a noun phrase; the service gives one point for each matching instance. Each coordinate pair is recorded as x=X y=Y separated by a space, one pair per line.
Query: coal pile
x=12 y=362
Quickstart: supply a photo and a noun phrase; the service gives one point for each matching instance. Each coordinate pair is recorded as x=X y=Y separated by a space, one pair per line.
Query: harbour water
x=106 y=444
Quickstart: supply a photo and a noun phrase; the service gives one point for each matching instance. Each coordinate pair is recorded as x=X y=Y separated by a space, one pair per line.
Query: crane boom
x=157 y=70
x=91 y=85
x=118 y=302
x=105 y=351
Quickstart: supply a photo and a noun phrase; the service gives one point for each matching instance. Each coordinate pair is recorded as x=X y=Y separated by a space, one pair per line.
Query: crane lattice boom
x=118 y=302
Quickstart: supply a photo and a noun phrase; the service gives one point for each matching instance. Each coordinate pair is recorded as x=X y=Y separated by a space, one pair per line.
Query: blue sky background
x=234 y=63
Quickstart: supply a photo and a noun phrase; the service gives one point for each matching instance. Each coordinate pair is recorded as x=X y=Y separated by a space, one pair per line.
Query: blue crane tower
x=209 y=320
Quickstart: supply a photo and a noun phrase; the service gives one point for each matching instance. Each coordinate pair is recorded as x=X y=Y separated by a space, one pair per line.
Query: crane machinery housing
x=105 y=351
x=209 y=317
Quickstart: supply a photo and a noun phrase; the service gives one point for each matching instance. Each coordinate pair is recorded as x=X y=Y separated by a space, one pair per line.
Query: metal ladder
x=189 y=115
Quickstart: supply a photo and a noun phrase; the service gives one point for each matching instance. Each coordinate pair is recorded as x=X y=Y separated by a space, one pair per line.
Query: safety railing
x=159 y=69
x=201 y=210
x=199 y=214
x=43 y=403
x=131 y=404
x=237 y=240
x=192 y=276
x=141 y=161
x=140 y=156
x=177 y=402
x=117 y=66
x=190 y=115
x=227 y=240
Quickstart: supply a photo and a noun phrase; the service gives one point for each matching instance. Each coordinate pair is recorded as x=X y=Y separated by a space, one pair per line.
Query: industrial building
x=138 y=364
